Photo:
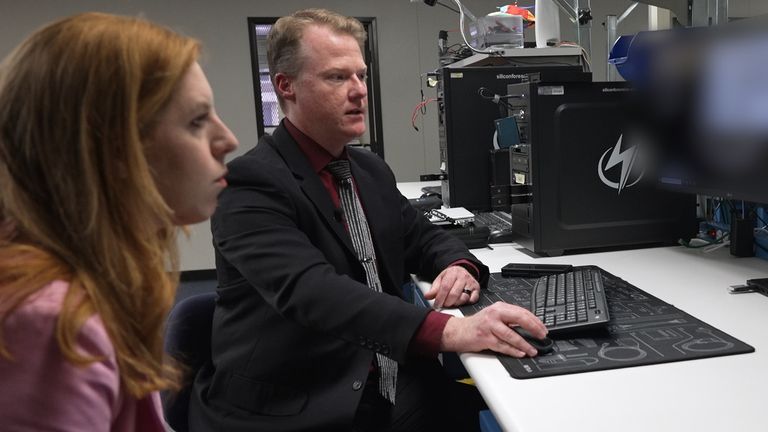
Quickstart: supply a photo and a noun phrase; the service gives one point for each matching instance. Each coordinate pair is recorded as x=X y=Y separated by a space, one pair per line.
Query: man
x=310 y=331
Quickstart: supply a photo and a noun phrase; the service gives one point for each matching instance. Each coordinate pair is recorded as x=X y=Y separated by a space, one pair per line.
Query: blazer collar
x=310 y=183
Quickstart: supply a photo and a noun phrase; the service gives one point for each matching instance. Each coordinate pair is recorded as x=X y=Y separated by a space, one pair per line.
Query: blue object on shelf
x=488 y=422
x=632 y=55
x=619 y=56
x=507 y=132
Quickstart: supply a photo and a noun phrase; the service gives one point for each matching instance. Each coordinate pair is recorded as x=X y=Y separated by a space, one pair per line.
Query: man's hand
x=453 y=287
x=490 y=329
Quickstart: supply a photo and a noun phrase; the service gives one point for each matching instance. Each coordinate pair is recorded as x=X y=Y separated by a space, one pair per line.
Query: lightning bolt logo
x=618 y=156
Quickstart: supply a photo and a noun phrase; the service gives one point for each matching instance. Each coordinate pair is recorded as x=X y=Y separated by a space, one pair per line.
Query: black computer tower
x=466 y=127
x=590 y=178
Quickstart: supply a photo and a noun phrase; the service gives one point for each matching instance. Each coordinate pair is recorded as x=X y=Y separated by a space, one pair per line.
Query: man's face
x=328 y=99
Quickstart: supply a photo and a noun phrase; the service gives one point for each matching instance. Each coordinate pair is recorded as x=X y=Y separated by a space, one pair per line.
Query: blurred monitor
x=703 y=106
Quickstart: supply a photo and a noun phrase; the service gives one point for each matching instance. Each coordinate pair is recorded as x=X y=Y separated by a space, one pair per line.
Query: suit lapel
x=310 y=183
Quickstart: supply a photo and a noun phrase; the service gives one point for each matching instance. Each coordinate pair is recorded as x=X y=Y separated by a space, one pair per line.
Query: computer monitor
x=703 y=103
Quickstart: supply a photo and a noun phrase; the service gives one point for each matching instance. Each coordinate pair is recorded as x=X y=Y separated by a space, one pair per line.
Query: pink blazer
x=40 y=390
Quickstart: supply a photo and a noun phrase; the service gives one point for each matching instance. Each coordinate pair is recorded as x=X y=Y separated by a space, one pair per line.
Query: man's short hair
x=284 y=40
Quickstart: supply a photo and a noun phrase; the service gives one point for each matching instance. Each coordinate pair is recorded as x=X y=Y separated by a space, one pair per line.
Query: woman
x=108 y=140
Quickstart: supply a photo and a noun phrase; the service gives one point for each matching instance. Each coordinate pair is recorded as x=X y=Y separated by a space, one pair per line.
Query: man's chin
x=355 y=132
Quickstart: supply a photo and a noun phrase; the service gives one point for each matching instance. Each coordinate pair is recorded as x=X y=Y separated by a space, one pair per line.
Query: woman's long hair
x=77 y=197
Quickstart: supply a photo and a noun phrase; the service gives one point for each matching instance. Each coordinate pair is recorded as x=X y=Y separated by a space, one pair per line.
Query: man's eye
x=362 y=76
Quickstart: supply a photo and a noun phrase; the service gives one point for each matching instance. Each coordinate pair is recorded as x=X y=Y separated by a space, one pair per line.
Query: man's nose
x=359 y=88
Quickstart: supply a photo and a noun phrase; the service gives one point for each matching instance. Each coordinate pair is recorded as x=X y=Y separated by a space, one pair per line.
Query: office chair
x=488 y=422
x=188 y=340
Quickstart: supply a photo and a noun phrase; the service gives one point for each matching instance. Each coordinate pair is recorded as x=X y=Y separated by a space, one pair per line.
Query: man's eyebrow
x=344 y=70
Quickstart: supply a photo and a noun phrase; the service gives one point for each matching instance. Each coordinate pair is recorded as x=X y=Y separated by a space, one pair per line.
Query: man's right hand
x=491 y=329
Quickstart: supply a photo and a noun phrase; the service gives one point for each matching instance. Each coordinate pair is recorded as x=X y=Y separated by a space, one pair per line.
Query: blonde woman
x=108 y=141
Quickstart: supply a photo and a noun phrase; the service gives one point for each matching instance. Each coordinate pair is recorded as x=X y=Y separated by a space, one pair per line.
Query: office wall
x=407 y=47
x=747 y=8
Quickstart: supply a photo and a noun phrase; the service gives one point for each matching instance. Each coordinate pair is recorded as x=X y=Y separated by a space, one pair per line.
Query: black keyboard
x=571 y=301
x=496 y=221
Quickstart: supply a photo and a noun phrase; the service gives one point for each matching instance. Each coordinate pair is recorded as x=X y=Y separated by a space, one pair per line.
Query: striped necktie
x=357 y=225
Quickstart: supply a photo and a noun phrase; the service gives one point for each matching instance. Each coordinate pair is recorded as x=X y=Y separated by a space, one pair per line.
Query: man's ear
x=284 y=86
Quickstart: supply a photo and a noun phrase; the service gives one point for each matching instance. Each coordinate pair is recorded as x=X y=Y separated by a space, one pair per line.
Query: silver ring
x=467 y=291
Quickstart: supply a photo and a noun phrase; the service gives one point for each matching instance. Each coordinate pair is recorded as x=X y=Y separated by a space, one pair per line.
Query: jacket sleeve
x=430 y=249
x=259 y=230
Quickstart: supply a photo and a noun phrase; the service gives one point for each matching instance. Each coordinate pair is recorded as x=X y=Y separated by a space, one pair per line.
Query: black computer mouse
x=543 y=346
x=499 y=236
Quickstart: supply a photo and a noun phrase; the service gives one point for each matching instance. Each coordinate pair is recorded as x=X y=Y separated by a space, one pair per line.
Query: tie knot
x=340 y=169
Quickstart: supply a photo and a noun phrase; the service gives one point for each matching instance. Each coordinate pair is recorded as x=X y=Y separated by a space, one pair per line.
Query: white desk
x=715 y=394
x=413 y=189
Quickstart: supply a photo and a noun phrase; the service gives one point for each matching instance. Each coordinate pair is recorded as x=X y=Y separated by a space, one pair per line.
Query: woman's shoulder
x=36 y=319
x=39 y=375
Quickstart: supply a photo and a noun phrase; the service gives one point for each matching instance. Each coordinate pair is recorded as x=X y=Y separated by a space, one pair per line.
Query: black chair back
x=188 y=340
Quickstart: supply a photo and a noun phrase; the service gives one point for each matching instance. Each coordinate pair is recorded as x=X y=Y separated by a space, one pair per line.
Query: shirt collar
x=318 y=156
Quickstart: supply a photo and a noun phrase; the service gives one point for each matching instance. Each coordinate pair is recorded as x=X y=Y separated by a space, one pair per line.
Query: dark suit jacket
x=295 y=327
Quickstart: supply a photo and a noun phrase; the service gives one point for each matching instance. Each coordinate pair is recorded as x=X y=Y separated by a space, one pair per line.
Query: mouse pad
x=643 y=330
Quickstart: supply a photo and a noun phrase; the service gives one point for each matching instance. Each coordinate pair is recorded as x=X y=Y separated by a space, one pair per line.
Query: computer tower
x=589 y=176
x=466 y=125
